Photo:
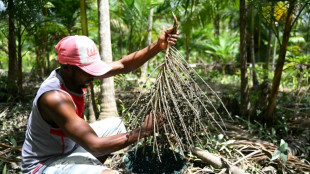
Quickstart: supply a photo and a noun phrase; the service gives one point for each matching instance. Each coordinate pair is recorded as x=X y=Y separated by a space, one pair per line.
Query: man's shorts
x=80 y=161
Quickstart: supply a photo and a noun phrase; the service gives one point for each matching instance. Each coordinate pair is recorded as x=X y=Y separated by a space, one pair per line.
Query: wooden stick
x=243 y=158
x=9 y=160
x=11 y=147
x=215 y=161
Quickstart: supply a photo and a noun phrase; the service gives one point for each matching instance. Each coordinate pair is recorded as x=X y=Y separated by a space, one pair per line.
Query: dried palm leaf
x=189 y=111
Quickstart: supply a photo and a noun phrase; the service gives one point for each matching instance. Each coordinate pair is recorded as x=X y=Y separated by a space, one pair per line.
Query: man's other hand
x=148 y=128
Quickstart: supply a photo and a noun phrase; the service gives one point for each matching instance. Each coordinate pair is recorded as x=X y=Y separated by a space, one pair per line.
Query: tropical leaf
x=283 y=146
x=275 y=155
x=281 y=152
x=223 y=49
x=280 y=10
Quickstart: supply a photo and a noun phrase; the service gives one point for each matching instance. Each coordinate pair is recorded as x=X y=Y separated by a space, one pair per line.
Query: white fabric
x=80 y=161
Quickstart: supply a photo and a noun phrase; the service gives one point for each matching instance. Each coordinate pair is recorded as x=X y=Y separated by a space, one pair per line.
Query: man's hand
x=166 y=38
x=148 y=128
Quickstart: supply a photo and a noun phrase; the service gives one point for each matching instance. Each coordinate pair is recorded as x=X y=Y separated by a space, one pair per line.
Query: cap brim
x=97 y=68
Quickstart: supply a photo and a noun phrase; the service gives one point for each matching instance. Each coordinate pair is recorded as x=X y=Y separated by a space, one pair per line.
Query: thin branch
x=300 y=13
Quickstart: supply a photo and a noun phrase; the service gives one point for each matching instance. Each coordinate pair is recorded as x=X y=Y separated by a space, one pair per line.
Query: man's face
x=80 y=78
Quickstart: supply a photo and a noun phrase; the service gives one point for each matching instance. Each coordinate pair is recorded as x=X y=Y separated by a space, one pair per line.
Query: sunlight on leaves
x=4 y=170
x=281 y=152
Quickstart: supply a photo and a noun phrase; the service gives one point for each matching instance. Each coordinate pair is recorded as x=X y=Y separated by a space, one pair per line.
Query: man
x=58 y=140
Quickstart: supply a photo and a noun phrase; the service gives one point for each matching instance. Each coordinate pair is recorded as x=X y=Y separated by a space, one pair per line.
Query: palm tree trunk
x=187 y=47
x=38 y=55
x=245 y=99
x=216 y=23
x=11 y=86
x=255 y=80
x=130 y=45
x=259 y=40
x=83 y=18
x=108 y=104
x=45 y=42
x=92 y=109
x=121 y=41
x=270 y=116
x=274 y=52
x=267 y=60
x=43 y=64
x=149 y=41
x=20 y=67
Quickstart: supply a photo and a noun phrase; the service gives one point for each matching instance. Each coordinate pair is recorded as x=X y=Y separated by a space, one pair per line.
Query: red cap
x=82 y=52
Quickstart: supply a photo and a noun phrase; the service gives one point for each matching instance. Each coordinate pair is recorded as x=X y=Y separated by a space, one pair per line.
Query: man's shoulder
x=53 y=103
x=54 y=97
x=52 y=83
x=52 y=80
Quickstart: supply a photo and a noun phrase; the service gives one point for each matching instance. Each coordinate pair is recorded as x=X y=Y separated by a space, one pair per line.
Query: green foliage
x=122 y=110
x=134 y=14
x=215 y=76
x=296 y=74
x=282 y=124
x=281 y=151
x=125 y=81
x=217 y=144
x=121 y=81
x=225 y=48
x=66 y=16
x=196 y=15
x=4 y=170
x=260 y=130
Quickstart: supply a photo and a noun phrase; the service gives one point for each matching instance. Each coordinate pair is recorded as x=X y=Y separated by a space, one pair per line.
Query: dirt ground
x=242 y=145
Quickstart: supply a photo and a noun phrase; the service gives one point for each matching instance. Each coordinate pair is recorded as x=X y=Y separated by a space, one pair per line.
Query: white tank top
x=44 y=143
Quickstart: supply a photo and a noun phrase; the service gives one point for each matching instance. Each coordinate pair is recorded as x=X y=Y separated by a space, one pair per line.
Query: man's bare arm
x=57 y=107
x=138 y=58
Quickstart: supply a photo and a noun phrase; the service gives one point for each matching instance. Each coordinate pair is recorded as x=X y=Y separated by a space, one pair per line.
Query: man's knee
x=108 y=171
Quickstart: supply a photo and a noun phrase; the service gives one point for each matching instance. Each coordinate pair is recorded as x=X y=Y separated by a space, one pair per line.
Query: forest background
x=254 y=54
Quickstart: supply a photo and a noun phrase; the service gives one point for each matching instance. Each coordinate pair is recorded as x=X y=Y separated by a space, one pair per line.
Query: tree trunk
x=43 y=64
x=121 y=41
x=38 y=58
x=20 y=66
x=45 y=43
x=130 y=45
x=259 y=39
x=121 y=35
x=274 y=53
x=267 y=60
x=92 y=107
x=255 y=80
x=270 y=116
x=48 y=69
x=149 y=41
x=11 y=86
x=307 y=37
x=216 y=23
x=108 y=104
x=83 y=18
x=245 y=100
x=187 y=47
x=91 y=112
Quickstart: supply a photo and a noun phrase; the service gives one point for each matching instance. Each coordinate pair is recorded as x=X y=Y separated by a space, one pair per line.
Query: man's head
x=75 y=78
x=82 y=52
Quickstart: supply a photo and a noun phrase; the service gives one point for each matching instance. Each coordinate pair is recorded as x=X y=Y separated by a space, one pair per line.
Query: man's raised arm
x=138 y=58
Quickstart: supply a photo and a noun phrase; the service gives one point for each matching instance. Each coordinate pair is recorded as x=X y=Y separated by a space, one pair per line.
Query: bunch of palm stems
x=189 y=112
